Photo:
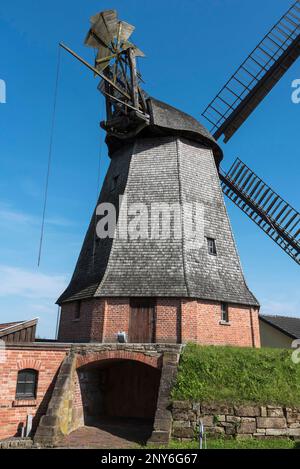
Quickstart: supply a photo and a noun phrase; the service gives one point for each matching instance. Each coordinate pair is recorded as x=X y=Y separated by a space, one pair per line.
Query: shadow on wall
x=40 y=411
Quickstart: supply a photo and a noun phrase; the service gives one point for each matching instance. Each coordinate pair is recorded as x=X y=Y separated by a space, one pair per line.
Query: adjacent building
x=279 y=331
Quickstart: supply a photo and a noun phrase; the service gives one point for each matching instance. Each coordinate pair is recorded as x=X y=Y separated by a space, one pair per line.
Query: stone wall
x=59 y=419
x=238 y=421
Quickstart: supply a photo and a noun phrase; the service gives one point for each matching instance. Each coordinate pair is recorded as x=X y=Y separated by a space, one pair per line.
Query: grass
x=222 y=443
x=238 y=375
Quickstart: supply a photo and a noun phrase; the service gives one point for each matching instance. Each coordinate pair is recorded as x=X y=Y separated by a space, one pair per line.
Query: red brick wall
x=12 y=412
x=167 y=321
x=177 y=320
x=116 y=318
x=88 y=327
x=255 y=327
x=201 y=323
x=189 y=321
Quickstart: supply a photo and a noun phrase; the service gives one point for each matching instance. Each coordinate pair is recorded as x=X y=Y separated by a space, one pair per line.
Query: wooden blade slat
x=265 y=207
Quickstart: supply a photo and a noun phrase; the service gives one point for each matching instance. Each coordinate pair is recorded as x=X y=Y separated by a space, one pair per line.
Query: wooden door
x=141 y=320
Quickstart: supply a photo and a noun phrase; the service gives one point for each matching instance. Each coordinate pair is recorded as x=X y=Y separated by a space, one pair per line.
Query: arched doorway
x=118 y=397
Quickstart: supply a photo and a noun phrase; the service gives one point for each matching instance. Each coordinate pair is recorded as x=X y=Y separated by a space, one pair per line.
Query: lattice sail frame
x=256 y=77
x=276 y=217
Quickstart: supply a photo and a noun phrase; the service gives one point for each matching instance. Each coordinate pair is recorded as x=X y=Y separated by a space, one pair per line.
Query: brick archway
x=93 y=357
x=31 y=363
x=131 y=362
x=100 y=376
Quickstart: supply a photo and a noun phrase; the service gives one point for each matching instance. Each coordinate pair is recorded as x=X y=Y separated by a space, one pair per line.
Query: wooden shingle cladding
x=18 y=332
x=163 y=170
x=172 y=170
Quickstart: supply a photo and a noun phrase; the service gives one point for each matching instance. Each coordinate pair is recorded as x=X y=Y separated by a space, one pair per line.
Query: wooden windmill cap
x=175 y=121
x=167 y=120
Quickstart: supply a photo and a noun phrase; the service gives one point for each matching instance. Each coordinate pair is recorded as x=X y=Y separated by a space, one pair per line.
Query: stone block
x=243 y=436
x=215 y=430
x=49 y=421
x=182 y=415
x=263 y=411
x=230 y=429
x=246 y=427
x=183 y=433
x=273 y=411
x=162 y=413
x=248 y=419
x=163 y=425
x=276 y=431
x=293 y=432
x=182 y=405
x=271 y=422
x=292 y=415
x=233 y=419
x=216 y=409
x=208 y=420
x=179 y=424
x=196 y=408
x=261 y=431
x=294 y=425
x=247 y=411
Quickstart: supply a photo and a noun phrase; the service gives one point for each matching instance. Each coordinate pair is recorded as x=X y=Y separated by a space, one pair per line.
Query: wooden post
x=134 y=83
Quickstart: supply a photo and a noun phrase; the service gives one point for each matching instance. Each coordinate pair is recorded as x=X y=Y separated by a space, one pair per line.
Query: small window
x=114 y=183
x=77 y=311
x=211 y=246
x=224 y=312
x=26 y=384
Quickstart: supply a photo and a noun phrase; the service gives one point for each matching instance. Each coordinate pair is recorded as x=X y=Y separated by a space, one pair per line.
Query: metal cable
x=49 y=155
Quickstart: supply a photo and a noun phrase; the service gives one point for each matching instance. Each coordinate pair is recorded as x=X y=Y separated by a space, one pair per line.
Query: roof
x=166 y=120
x=5 y=325
x=287 y=325
x=177 y=122
x=19 y=331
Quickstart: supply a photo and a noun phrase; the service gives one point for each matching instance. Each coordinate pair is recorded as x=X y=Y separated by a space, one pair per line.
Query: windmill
x=161 y=154
x=127 y=112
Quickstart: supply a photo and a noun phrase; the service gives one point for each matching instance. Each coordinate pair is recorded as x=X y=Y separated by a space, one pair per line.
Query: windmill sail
x=264 y=206
x=256 y=77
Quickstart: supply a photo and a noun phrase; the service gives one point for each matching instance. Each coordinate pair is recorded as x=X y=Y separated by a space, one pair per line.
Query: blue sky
x=192 y=48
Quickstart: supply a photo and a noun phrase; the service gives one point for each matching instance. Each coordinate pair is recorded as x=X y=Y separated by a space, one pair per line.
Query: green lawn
x=237 y=375
x=221 y=443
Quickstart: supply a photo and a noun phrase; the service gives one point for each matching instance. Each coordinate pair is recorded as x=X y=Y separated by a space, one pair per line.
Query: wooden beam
x=101 y=75
x=134 y=83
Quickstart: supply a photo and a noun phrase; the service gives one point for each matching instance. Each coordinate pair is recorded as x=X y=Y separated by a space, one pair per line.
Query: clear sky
x=192 y=47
